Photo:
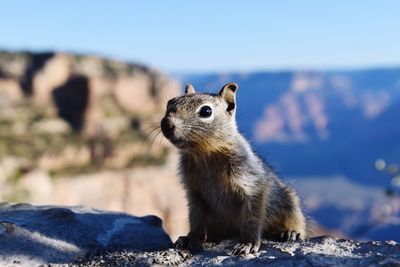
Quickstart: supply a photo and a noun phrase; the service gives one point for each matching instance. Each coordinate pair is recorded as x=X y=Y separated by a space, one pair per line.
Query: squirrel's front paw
x=187 y=243
x=290 y=236
x=247 y=248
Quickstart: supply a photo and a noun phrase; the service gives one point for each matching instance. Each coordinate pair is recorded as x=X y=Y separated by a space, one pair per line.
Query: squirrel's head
x=201 y=121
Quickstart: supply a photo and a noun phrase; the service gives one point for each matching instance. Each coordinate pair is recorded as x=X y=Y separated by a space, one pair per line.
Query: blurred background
x=83 y=86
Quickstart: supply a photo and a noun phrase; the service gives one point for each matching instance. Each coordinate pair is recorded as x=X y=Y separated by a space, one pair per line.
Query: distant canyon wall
x=84 y=89
x=81 y=130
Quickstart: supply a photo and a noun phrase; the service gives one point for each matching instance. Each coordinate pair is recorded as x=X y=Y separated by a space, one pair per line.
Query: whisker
x=160 y=143
x=145 y=137
x=153 y=140
x=151 y=125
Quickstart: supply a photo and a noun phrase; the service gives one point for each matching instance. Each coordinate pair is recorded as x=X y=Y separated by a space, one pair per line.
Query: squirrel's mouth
x=179 y=143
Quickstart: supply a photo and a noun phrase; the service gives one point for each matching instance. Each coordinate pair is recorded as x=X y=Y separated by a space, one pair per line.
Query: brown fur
x=231 y=192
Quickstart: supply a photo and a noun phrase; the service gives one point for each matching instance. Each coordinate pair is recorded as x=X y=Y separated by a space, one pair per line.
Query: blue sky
x=204 y=36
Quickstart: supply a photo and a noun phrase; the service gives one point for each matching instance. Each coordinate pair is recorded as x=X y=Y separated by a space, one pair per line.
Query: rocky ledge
x=79 y=236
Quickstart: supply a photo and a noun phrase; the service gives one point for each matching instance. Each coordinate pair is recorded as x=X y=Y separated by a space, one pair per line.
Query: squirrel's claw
x=244 y=249
x=290 y=236
x=186 y=243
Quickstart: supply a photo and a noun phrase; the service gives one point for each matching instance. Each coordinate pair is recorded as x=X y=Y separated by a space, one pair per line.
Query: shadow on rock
x=49 y=234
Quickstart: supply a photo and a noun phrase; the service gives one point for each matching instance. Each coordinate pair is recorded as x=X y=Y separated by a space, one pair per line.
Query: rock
x=79 y=236
x=84 y=89
x=10 y=92
x=51 y=126
x=36 y=235
x=141 y=190
x=65 y=116
x=53 y=74
x=320 y=251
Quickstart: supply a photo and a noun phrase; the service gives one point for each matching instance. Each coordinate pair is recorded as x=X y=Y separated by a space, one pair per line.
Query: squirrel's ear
x=228 y=93
x=189 y=89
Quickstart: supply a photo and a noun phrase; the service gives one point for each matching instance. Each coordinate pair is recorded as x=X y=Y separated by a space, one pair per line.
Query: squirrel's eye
x=205 y=112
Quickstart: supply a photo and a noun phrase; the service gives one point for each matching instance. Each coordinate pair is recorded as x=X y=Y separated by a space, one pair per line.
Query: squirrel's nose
x=167 y=127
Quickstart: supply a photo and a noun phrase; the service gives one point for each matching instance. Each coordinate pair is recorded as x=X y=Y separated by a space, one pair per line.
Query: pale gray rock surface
x=79 y=236
x=320 y=251
x=35 y=235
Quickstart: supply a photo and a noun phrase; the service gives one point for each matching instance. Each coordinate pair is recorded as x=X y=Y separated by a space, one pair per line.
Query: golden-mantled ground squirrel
x=231 y=192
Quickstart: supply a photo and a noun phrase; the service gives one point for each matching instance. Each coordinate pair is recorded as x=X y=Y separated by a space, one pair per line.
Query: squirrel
x=232 y=193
